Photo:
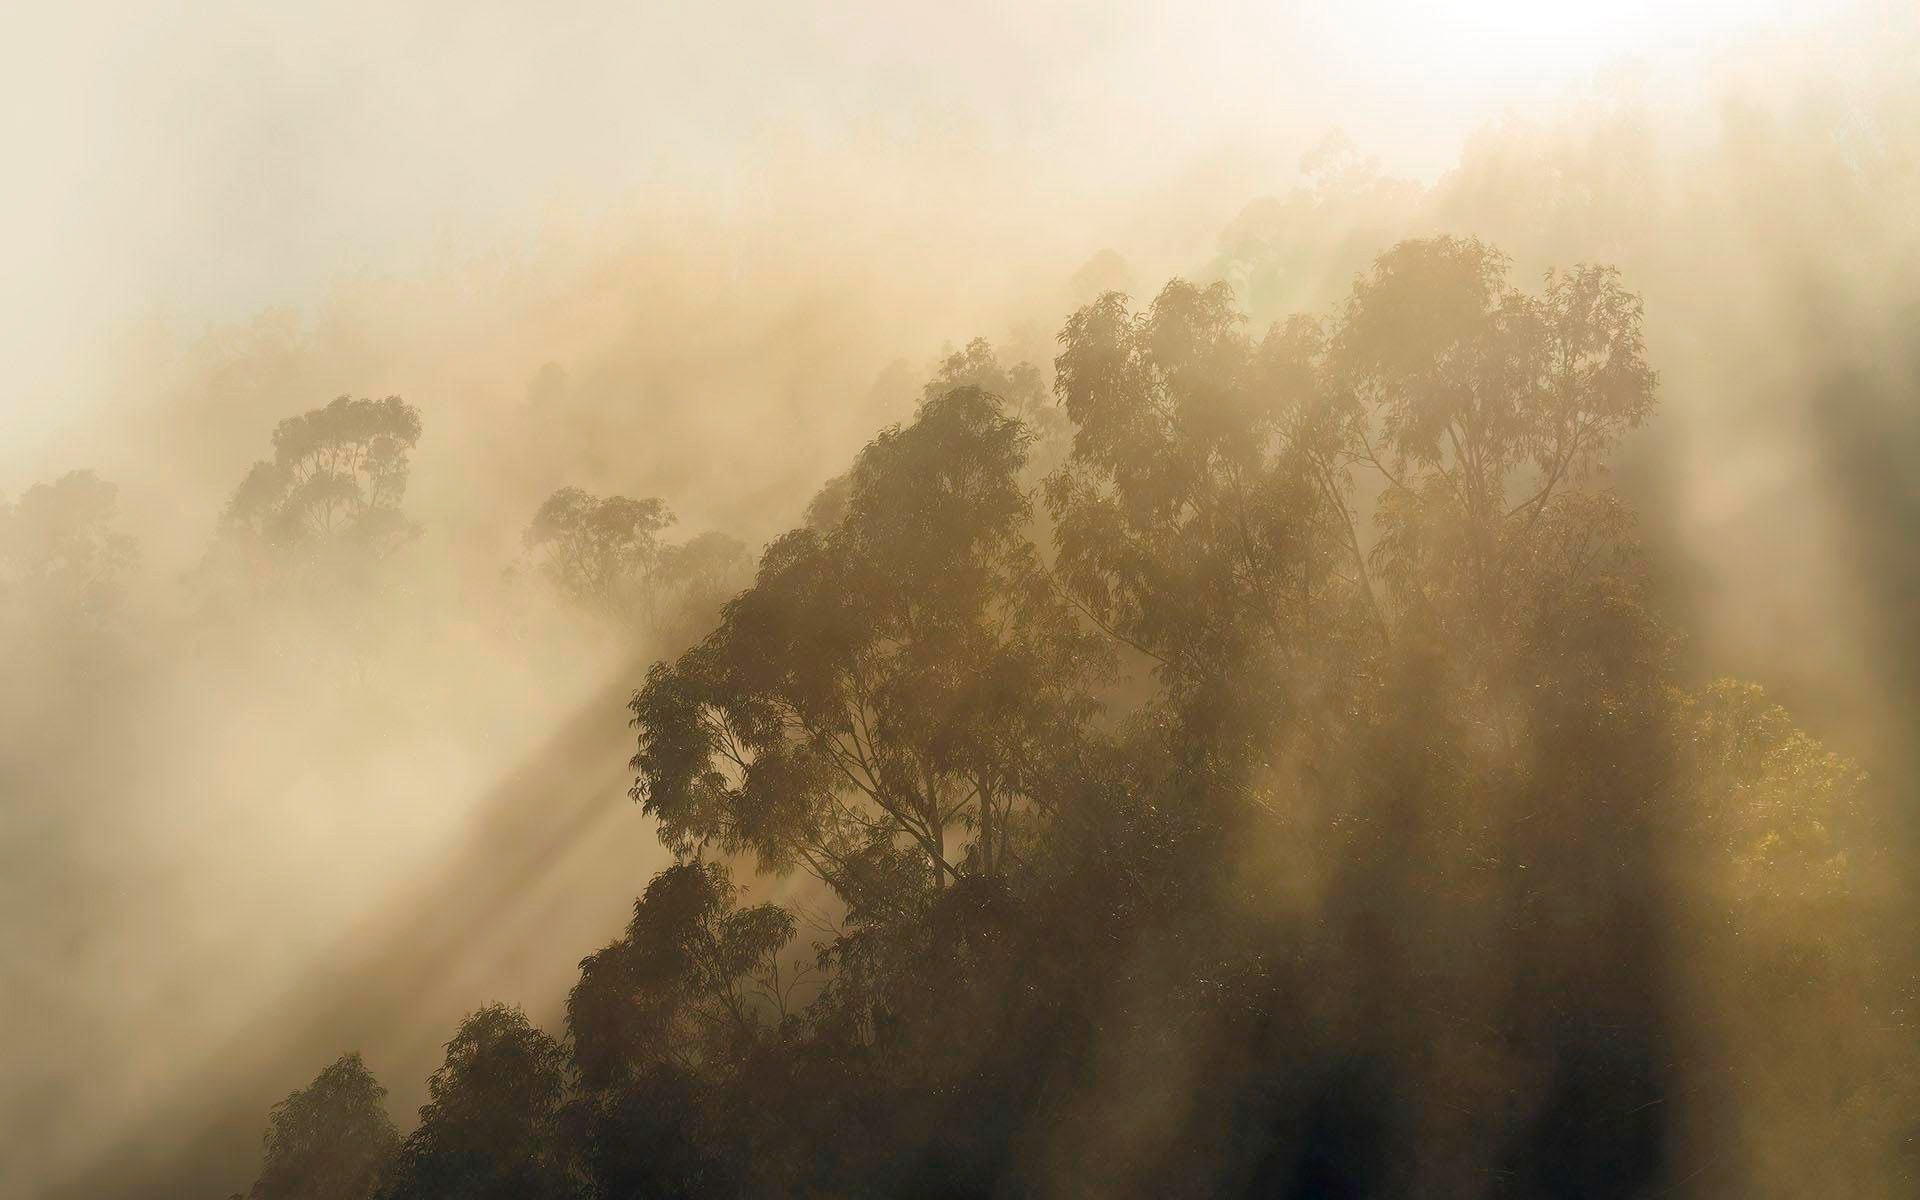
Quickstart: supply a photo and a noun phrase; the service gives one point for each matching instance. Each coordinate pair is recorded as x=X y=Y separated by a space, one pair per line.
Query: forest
x=863 y=600
x=1217 y=762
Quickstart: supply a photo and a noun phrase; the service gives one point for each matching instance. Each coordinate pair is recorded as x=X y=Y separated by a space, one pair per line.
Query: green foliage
x=1780 y=819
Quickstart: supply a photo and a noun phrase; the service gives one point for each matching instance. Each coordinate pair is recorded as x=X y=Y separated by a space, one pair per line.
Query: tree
x=600 y=552
x=605 y=555
x=60 y=553
x=489 y=1128
x=335 y=482
x=1377 y=883
x=883 y=681
x=1402 y=638
x=692 y=990
x=693 y=978
x=330 y=1140
x=1795 y=936
x=1022 y=389
x=699 y=574
x=651 y=1138
x=1201 y=515
x=1489 y=406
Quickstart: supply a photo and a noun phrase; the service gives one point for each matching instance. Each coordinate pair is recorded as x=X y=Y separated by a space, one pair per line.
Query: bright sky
x=203 y=159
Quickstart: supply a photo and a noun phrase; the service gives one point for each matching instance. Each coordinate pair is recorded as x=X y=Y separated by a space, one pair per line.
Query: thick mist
x=250 y=825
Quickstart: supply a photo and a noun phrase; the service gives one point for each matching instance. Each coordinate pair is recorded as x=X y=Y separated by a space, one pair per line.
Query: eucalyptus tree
x=1401 y=631
x=1210 y=504
x=892 y=677
x=335 y=482
x=1198 y=515
x=330 y=1140
x=491 y=1124
x=1021 y=387
x=695 y=976
x=1485 y=411
x=60 y=544
x=601 y=552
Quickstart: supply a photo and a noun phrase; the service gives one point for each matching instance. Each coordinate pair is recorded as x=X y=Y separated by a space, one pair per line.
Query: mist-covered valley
x=1168 y=618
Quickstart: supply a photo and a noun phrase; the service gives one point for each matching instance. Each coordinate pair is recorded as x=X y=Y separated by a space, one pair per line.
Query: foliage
x=330 y=1140
x=690 y=981
x=335 y=482
x=1305 y=801
x=884 y=681
x=60 y=552
x=605 y=555
x=488 y=1127
x=600 y=552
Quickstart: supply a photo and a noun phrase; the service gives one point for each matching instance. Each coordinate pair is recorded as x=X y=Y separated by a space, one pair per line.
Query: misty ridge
x=1328 y=713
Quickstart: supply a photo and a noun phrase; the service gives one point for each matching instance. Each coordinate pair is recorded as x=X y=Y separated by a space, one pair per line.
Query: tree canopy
x=336 y=480
x=61 y=550
x=330 y=1140
x=1286 y=784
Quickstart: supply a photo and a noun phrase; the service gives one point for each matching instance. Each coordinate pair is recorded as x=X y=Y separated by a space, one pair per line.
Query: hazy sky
x=201 y=161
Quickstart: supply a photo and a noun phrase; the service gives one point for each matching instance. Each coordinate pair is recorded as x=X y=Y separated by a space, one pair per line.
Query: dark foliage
x=1302 y=805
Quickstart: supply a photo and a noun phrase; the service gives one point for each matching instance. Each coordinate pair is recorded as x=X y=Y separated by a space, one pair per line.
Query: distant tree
x=60 y=551
x=335 y=482
x=1022 y=389
x=330 y=1140
x=490 y=1127
x=600 y=552
x=605 y=555
x=1488 y=407
x=699 y=574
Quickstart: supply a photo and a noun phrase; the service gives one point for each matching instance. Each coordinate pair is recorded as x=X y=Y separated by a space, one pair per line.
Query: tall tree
x=1021 y=387
x=489 y=1128
x=330 y=1140
x=884 y=681
x=1486 y=407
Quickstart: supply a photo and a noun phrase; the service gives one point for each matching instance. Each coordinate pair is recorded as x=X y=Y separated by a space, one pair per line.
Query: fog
x=705 y=256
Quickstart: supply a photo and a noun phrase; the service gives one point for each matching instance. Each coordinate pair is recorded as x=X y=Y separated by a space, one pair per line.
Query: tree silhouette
x=883 y=681
x=694 y=977
x=336 y=480
x=330 y=1140
x=1373 y=880
x=600 y=552
x=60 y=553
x=488 y=1128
